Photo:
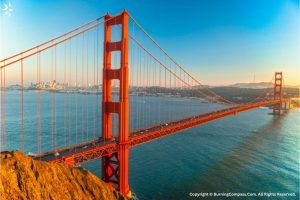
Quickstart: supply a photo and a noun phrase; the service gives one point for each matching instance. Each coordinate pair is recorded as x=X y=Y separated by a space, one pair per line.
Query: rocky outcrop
x=25 y=178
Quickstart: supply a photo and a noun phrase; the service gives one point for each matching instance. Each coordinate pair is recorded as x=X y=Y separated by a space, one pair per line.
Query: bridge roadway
x=75 y=155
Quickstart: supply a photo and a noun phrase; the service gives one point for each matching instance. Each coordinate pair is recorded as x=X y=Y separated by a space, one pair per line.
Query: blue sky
x=219 y=42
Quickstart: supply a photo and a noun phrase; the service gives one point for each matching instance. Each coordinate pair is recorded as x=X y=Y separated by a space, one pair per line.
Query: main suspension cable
x=204 y=86
x=166 y=68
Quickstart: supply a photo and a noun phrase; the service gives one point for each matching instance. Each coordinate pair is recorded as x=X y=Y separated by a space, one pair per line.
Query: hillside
x=253 y=85
x=248 y=94
x=24 y=178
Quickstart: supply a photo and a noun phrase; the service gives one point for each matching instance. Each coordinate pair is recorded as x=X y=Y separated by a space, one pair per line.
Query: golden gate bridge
x=131 y=64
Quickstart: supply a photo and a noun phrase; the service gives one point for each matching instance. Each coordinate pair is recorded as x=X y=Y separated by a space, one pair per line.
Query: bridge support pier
x=277 y=109
x=286 y=105
x=115 y=166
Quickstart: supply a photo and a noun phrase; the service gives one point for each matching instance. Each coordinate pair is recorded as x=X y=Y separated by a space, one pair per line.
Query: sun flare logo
x=7 y=9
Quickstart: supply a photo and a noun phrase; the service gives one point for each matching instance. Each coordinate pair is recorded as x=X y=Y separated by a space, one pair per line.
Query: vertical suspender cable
x=139 y=89
x=94 y=85
x=82 y=90
x=22 y=105
x=165 y=91
x=69 y=94
x=52 y=99
x=87 y=87
x=97 y=65
x=65 y=116
x=4 y=109
x=145 y=79
x=1 y=112
x=76 y=85
x=160 y=90
x=55 y=84
x=170 y=89
x=39 y=87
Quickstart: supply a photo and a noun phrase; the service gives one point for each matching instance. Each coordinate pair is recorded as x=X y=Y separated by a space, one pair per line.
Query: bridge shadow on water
x=254 y=166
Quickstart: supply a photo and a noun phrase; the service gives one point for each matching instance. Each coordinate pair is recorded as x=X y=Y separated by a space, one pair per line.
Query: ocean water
x=249 y=152
x=252 y=152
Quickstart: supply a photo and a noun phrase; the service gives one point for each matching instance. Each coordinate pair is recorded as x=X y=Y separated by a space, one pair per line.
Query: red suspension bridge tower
x=277 y=109
x=115 y=166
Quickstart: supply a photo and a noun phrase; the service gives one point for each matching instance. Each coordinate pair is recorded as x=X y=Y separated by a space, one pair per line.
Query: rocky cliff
x=24 y=178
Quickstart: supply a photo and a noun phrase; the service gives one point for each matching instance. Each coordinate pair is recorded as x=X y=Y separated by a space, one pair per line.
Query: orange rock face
x=24 y=178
